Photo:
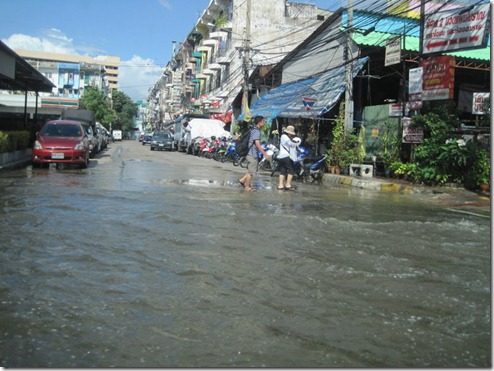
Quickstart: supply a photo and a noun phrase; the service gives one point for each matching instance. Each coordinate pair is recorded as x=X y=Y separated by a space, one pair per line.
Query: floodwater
x=144 y=262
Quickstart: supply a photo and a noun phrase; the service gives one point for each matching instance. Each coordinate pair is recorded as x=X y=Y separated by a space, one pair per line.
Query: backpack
x=243 y=144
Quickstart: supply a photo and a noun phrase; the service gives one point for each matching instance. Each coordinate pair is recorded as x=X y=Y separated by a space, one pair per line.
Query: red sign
x=438 y=78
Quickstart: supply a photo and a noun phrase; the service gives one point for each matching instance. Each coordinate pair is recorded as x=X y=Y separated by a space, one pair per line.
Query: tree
x=95 y=100
x=125 y=110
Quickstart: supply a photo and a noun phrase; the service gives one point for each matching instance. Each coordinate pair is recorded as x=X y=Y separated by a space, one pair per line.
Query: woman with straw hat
x=285 y=164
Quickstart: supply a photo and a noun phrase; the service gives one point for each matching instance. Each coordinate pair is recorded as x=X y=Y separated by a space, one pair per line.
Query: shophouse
x=209 y=68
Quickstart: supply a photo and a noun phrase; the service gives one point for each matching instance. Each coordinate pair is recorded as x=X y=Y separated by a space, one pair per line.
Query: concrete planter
x=11 y=159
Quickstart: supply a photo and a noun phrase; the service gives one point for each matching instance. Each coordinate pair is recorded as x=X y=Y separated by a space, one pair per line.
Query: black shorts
x=285 y=166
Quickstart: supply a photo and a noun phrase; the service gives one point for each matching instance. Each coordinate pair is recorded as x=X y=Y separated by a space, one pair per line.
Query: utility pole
x=246 y=56
x=349 y=73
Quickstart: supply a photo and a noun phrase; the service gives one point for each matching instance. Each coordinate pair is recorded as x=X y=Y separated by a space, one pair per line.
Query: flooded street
x=160 y=259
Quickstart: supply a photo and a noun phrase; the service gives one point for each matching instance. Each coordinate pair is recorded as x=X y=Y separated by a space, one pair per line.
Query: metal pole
x=349 y=74
x=246 y=55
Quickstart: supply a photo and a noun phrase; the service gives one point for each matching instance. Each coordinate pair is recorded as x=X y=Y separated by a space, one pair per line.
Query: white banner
x=452 y=30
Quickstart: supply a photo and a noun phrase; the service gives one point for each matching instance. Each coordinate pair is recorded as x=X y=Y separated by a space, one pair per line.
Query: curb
x=373 y=184
x=16 y=164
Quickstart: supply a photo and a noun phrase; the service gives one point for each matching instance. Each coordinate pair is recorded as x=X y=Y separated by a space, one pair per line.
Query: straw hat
x=290 y=130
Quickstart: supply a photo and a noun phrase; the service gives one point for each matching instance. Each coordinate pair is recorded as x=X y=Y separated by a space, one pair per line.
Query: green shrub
x=11 y=141
x=443 y=158
x=4 y=140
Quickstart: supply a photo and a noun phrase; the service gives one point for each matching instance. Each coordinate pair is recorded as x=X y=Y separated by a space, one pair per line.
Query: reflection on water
x=134 y=270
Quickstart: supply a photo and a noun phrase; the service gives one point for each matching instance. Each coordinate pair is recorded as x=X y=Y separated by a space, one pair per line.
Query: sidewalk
x=457 y=198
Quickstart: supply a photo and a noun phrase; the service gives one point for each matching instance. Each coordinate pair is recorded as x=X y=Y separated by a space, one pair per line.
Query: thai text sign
x=415 y=135
x=415 y=88
x=438 y=78
x=480 y=103
x=393 y=51
x=450 y=30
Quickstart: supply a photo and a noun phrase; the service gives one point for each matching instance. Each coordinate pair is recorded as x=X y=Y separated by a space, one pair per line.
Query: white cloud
x=136 y=75
x=54 y=42
x=166 y=4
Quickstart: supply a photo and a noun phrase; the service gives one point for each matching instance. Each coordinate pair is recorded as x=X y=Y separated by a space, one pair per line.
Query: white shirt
x=287 y=148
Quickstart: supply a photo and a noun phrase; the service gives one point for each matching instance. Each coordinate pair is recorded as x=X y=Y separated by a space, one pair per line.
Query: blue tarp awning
x=287 y=100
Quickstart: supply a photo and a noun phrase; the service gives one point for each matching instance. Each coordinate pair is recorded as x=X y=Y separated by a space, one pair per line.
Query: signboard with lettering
x=415 y=135
x=480 y=104
x=393 y=51
x=453 y=30
x=438 y=78
x=396 y=109
x=415 y=88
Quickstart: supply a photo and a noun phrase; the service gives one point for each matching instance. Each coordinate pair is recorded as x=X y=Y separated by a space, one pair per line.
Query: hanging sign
x=415 y=88
x=393 y=51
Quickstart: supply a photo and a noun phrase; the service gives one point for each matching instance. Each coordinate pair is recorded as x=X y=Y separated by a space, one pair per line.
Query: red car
x=61 y=141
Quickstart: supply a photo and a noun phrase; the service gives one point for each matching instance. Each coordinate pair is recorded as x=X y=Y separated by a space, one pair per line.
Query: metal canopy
x=17 y=74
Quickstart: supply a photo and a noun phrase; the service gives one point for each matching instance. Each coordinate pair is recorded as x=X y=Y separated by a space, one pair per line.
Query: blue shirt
x=255 y=134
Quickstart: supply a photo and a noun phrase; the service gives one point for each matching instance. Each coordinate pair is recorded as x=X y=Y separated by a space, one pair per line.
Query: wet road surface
x=159 y=259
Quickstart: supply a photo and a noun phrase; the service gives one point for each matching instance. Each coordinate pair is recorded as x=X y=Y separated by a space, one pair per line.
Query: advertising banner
x=438 y=78
x=458 y=29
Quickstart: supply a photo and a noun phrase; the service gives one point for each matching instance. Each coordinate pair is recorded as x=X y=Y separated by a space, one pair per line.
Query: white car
x=117 y=134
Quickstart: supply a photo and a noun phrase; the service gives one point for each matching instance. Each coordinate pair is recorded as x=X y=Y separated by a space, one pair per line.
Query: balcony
x=214 y=66
x=218 y=35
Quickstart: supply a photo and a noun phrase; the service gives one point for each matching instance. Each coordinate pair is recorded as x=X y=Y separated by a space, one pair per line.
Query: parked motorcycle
x=312 y=169
x=230 y=154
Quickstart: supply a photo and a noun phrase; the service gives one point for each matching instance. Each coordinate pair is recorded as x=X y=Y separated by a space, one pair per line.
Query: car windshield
x=161 y=137
x=61 y=130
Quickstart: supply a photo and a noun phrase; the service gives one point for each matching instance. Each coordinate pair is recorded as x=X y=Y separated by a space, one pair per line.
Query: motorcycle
x=231 y=154
x=260 y=156
x=272 y=152
x=312 y=169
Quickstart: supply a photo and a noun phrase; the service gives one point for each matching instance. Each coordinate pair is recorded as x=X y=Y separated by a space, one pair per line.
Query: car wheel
x=152 y=149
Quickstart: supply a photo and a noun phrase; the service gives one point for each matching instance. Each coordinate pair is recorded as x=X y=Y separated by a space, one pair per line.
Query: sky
x=140 y=32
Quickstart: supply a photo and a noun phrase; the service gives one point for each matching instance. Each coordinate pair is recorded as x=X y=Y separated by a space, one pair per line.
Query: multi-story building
x=71 y=74
x=211 y=67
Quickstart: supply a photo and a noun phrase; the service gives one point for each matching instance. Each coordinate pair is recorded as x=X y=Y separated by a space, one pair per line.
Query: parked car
x=146 y=138
x=103 y=135
x=61 y=141
x=162 y=141
x=93 y=140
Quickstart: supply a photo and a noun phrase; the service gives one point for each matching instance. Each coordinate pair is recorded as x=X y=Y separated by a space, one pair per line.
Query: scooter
x=312 y=169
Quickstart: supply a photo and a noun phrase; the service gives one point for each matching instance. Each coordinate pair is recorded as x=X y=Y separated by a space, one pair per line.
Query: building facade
x=231 y=40
x=71 y=74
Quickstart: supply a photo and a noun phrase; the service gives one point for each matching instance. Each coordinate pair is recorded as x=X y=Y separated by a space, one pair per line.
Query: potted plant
x=343 y=150
x=482 y=170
